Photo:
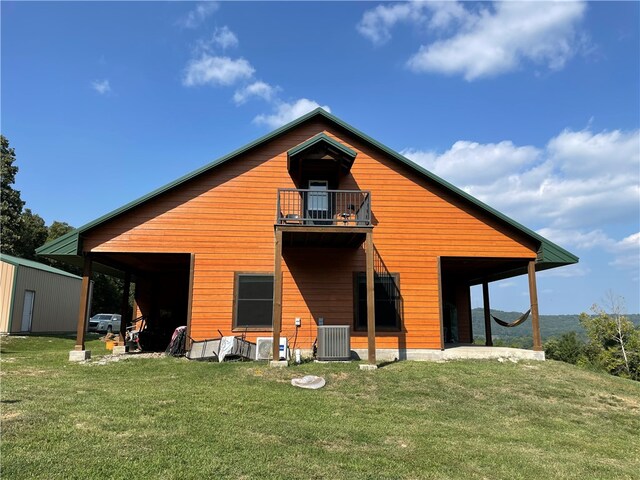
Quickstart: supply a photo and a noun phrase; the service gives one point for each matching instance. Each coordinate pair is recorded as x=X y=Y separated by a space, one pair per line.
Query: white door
x=27 y=310
x=318 y=200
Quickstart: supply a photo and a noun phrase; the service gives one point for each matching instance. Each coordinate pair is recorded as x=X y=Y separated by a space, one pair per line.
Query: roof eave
x=319 y=138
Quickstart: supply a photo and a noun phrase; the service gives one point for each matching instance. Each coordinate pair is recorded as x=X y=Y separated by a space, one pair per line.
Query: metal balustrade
x=323 y=207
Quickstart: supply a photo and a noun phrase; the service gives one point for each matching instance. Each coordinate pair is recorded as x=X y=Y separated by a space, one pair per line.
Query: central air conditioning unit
x=264 y=348
x=334 y=342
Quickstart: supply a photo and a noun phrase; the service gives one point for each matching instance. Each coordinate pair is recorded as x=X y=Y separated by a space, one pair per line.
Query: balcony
x=318 y=217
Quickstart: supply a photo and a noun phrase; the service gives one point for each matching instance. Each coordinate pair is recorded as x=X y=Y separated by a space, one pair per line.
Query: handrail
x=297 y=206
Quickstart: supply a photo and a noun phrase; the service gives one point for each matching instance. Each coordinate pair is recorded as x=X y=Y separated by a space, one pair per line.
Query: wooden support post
x=440 y=304
x=487 y=314
x=134 y=312
x=277 y=295
x=192 y=264
x=371 y=306
x=124 y=306
x=535 y=318
x=83 y=310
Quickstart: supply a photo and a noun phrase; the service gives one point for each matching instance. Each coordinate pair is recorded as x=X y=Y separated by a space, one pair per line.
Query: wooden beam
x=440 y=303
x=371 y=306
x=343 y=229
x=487 y=314
x=124 y=306
x=470 y=313
x=192 y=263
x=83 y=310
x=277 y=294
x=535 y=318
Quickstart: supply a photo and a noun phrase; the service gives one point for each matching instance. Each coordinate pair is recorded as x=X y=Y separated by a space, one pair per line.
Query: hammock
x=516 y=322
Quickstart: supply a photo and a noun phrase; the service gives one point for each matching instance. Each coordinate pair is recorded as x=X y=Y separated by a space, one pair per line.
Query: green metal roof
x=22 y=262
x=320 y=138
x=550 y=255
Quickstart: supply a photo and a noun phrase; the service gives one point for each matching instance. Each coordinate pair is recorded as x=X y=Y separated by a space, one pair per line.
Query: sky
x=534 y=108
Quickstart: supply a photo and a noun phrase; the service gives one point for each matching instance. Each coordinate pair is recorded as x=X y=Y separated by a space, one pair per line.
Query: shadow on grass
x=387 y=363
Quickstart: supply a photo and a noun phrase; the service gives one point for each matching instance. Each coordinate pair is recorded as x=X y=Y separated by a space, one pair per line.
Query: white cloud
x=470 y=162
x=377 y=23
x=626 y=252
x=478 y=41
x=568 y=271
x=224 y=38
x=101 y=86
x=579 y=239
x=213 y=70
x=286 y=112
x=572 y=189
x=579 y=180
x=194 y=18
x=446 y=13
x=499 y=40
x=582 y=153
x=257 y=89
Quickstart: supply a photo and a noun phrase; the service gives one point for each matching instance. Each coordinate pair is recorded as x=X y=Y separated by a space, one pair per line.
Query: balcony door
x=318 y=208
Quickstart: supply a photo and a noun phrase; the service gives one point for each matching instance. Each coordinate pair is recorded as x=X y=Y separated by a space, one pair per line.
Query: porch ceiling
x=141 y=264
x=318 y=236
x=477 y=270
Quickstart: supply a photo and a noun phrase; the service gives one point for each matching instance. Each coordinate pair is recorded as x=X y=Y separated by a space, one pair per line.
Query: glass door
x=318 y=202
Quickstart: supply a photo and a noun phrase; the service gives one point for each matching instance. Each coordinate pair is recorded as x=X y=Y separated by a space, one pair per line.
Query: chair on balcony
x=291 y=219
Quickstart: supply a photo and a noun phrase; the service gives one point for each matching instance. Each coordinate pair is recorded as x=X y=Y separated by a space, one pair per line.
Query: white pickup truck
x=105 y=323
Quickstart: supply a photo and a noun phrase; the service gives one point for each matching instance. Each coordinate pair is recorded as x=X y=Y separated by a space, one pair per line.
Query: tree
x=568 y=348
x=58 y=229
x=33 y=233
x=614 y=341
x=10 y=199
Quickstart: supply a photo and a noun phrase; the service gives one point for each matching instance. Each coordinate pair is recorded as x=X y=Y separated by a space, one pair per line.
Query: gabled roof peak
x=321 y=146
x=549 y=254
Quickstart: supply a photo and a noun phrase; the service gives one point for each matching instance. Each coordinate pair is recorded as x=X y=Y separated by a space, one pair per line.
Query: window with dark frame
x=388 y=301
x=253 y=301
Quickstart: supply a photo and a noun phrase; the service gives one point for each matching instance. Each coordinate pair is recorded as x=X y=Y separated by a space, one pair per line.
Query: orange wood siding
x=226 y=218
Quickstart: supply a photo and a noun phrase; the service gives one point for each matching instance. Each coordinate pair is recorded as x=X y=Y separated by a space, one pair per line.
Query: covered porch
x=160 y=284
x=457 y=276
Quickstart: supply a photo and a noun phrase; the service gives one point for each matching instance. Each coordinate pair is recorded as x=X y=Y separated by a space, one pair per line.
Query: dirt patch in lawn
x=106 y=359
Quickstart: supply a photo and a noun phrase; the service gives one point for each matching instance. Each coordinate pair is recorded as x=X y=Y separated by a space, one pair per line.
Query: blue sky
x=533 y=108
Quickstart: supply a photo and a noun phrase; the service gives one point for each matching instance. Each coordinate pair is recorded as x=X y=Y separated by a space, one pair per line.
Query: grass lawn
x=171 y=418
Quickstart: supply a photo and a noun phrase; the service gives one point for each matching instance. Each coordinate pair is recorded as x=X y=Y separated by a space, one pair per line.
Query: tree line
x=606 y=339
x=612 y=343
x=22 y=231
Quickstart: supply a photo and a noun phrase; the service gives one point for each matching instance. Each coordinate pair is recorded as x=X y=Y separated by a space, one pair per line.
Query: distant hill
x=550 y=325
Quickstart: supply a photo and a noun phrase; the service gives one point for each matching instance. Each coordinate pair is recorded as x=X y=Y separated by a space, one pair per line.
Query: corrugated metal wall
x=57 y=299
x=6 y=290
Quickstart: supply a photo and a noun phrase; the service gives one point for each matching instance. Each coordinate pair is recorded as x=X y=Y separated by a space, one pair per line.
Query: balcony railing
x=323 y=207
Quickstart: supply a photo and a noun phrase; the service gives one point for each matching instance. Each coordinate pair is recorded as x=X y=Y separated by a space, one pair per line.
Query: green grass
x=171 y=418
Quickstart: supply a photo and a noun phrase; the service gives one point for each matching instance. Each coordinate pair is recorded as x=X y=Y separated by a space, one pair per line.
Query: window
x=388 y=301
x=253 y=301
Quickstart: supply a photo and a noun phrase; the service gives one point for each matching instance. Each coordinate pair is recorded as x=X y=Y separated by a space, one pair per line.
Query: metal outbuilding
x=37 y=298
